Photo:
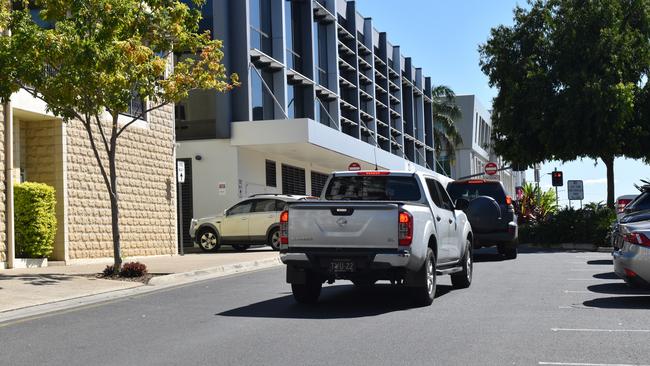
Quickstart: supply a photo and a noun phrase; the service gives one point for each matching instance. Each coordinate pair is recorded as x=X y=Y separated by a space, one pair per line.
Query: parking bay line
x=600 y=330
x=587 y=364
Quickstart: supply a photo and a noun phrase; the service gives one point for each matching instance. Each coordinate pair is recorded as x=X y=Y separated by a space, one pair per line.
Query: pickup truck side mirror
x=225 y=212
x=462 y=204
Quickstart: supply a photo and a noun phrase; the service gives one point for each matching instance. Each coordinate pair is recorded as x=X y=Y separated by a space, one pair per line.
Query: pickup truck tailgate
x=337 y=224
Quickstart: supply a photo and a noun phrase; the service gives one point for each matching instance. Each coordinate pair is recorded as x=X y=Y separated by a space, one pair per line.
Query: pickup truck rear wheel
x=308 y=292
x=424 y=295
x=463 y=278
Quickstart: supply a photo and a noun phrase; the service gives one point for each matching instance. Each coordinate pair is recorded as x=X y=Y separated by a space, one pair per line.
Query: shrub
x=109 y=271
x=591 y=224
x=133 y=269
x=35 y=219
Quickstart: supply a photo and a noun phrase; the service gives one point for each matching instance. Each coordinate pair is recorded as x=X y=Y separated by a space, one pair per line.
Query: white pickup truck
x=377 y=225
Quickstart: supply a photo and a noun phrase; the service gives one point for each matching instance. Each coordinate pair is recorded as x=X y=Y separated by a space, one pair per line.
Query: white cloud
x=597 y=181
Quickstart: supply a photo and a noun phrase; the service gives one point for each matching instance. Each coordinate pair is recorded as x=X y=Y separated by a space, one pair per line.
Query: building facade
x=475 y=128
x=47 y=150
x=321 y=88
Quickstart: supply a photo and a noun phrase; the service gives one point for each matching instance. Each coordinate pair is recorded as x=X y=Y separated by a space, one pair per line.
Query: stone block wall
x=146 y=189
x=42 y=157
x=3 y=218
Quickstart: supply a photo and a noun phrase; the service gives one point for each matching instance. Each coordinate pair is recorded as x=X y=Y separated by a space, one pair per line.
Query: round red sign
x=490 y=168
x=354 y=166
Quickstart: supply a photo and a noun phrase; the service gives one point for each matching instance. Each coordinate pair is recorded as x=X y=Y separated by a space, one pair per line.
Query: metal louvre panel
x=270 y=174
x=293 y=180
x=318 y=181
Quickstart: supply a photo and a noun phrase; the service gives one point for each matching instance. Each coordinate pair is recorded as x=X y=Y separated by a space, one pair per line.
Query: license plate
x=341 y=266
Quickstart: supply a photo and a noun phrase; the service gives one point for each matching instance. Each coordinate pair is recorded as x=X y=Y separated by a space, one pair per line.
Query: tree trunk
x=609 y=164
x=115 y=209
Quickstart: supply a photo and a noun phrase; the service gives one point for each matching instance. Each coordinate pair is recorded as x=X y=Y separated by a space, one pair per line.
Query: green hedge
x=590 y=225
x=35 y=219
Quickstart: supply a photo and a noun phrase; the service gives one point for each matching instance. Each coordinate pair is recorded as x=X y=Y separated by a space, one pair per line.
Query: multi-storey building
x=321 y=88
x=475 y=128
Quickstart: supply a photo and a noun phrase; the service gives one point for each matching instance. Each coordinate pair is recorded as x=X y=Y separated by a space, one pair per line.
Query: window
x=469 y=191
x=293 y=180
x=641 y=202
x=435 y=197
x=271 y=174
x=136 y=107
x=241 y=208
x=318 y=181
x=444 y=197
x=264 y=206
x=262 y=100
x=320 y=54
x=373 y=188
x=261 y=26
x=293 y=32
x=281 y=205
x=296 y=105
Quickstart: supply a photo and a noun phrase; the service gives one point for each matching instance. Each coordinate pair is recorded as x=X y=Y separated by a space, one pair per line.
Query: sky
x=443 y=37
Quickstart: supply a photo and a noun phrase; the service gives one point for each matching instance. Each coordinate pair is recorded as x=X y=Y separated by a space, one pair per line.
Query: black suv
x=490 y=212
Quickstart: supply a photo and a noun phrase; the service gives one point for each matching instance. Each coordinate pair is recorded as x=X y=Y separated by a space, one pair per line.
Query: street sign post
x=491 y=168
x=354 y=167
x=576 y=192
x=180 y=178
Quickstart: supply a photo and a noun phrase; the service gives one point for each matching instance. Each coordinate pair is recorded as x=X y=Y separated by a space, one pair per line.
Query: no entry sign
x=490 y=168
x=354 y=166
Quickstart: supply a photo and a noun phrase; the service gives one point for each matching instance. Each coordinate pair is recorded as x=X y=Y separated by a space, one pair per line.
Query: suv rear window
x=373 y=188
x=469 y=191
x=641 y=202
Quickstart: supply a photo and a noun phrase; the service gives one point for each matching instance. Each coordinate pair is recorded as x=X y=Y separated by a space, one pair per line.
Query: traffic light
x=558 y=179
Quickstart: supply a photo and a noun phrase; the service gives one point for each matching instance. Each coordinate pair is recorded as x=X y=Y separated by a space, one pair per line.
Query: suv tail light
x=284 y=227
x=508 y=200
x=405 y=228
x=638 y=239
x=621 y=203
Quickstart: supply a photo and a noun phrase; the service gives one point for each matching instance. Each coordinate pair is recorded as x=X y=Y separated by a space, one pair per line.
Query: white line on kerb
x=601 y=330
x=587 y=364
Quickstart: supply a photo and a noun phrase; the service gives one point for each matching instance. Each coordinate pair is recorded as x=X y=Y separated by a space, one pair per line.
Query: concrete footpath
x=33 y=291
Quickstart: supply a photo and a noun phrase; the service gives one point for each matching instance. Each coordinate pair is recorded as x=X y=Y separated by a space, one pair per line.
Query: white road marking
x=588 y=364
x=601 y=330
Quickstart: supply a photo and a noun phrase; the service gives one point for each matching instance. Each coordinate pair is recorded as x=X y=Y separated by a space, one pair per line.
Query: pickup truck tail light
x=508 y=200
x=405 y=228
x=638 y=239
x=284 y=227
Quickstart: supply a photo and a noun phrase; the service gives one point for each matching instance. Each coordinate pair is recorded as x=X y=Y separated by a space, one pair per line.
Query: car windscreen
x=469 y=191
x=373 y=188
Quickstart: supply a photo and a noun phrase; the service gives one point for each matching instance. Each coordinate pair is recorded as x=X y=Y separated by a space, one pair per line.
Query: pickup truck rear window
x=373 y=188
x=469 y=191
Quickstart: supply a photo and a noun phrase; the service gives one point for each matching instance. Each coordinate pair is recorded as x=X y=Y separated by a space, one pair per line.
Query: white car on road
x=254 y=220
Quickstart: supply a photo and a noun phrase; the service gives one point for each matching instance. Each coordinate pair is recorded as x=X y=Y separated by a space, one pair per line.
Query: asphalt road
x=540 y=309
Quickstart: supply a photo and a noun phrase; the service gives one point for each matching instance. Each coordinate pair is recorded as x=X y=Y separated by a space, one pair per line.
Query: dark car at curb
x=491 y=214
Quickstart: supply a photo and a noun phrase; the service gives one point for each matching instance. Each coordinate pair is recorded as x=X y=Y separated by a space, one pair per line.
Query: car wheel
x=463 y=278
x=511 y=253
x=274 y=239
x=308 y=292
x=240 y=247
x=424 y=295
x=208 y=240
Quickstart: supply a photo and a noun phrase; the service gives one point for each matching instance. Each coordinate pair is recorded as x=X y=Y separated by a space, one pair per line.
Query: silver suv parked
x=254 y=220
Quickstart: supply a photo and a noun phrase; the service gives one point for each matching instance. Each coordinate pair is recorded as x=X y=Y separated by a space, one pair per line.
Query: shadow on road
x=601 y=262
x=336 y=302
x=621 y=302
x=606 y=276
x=615 y=288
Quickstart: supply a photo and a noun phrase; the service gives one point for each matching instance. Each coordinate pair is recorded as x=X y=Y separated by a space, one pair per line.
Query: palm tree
x=445 y=112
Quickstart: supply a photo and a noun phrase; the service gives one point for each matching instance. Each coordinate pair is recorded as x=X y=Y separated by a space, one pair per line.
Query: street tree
x=88 y=59
x=572 y=82
x=445 y=115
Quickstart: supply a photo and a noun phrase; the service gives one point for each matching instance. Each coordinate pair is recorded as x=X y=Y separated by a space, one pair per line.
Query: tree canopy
x=572 y=82
x=88 y=59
